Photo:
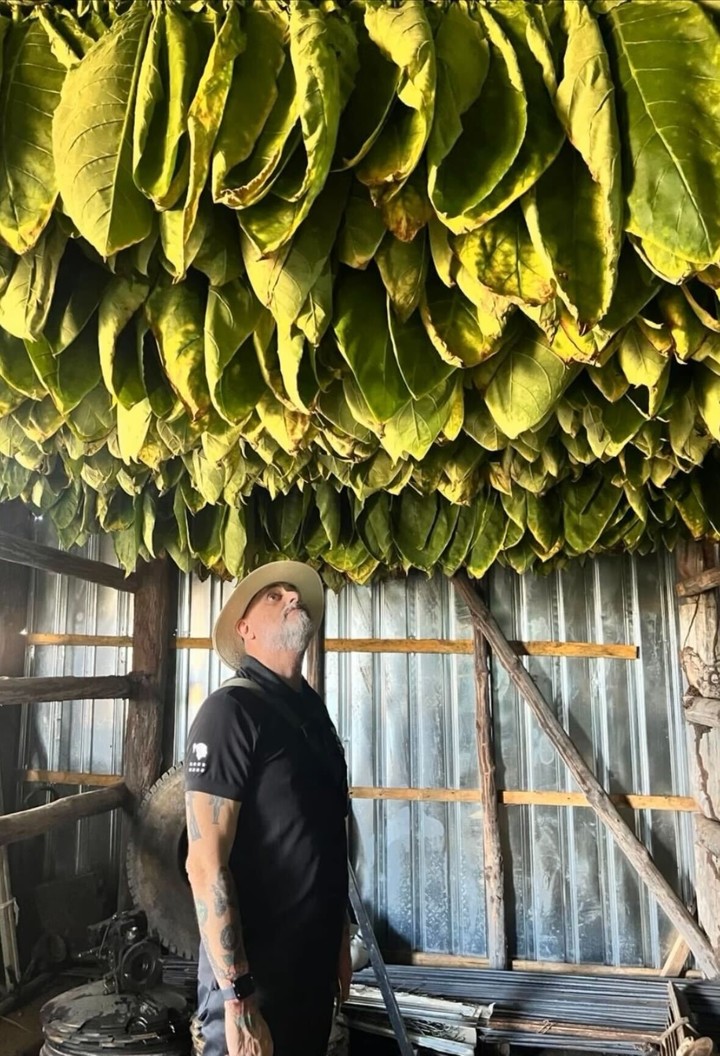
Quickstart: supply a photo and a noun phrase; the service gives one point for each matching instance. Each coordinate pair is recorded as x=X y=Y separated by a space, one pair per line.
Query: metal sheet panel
x=83 y=736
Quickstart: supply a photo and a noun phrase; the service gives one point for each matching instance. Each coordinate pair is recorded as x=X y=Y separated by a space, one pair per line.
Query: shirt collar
x=268 y=679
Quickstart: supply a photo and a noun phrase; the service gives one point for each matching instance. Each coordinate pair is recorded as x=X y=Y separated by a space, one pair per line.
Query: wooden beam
x=315 y=661
x=37 y=820
x=699 y=635
x=601 y=803
x=675 y=960
x=114 y=641
x=707 y=833
x=67 y=687
x=492 y=846
x=155 y=612
x=525 y=797
x=47 y=558
x=702 y=711
x=68 y=777
x=455 y=960
x=447 y=646
x=698 y=584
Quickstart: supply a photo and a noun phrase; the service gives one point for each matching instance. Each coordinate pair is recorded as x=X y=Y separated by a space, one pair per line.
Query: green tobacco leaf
x=26 y=298
x=16 y=368
x=417 y=425
x=283 y=280
x=252 y=96
x=362 y=231
x=640 y=361
x=403 y=267
x=668 y=61
x=526 y=30
x=588 y=507
x=70 y=375
x=453 y=326
x=29 y=93
x=527 y=385
x=489 y=535
x=167 y=80
x=118 y=344
x=494 y=128
x=420 y=365
x=176 y=317
x=94 y=121
x=363 y=337
x=369 y=104
x=404 y=36
x=272 y=222
x=68 y=40
x=706 y=384
x=575 y=214
x=502 y=257
x=206 y=109
x=408 y=211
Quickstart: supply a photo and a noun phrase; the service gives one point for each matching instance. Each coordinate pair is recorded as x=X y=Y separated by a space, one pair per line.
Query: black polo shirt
x=289 y=858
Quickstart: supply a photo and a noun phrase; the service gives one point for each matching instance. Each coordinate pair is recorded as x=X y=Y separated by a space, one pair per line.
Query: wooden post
x=700 y=658
x=492 y=846
x=635 y=852
x=316 y=661
x=154 y=624
x=14 y=592
x=36 y=820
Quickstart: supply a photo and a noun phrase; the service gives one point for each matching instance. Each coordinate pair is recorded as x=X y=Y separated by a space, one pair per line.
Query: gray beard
x=295 y=634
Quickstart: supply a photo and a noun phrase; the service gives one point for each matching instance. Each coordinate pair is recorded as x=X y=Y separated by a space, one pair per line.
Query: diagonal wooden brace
x=598 y=799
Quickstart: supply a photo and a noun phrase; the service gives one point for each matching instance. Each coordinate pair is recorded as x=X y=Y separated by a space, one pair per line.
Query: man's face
x=276 y=618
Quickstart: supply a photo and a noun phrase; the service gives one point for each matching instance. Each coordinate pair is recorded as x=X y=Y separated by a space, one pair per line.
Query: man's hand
x=344 y=970
x=246 y=1032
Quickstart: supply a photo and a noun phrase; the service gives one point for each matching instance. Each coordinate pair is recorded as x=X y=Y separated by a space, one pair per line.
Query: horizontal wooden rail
x=702 y=711
x=114 y=641
x=694 y=585
x=47 y=558
x=523 y=797
x=457 y=960
x=37 y=820
x=66 y=687
x=463 y=646
x=68 y=777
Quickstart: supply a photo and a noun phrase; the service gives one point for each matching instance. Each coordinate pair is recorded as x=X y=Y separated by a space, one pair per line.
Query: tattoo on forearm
x=192 y=824
x=222 y=892
x=228 y=937
x=216 y=802
x=202 y=911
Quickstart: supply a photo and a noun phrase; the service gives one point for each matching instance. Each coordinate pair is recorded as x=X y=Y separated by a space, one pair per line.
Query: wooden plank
x=675 y=960
x=115 y=641
x=67 y=687
x=691 y=586
x=47 y=558
x=461 y=646
x=702 y=711
x=33 y=822
x=524 y=797
x=699 y=631
x=599 y=800
x=155 y=613
x=450 y=960
x=68 y=777
x=315 y=661
x=493 y=868
x=707 y=833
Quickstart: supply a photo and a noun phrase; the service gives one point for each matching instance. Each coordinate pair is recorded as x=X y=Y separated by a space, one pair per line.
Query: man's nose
x=292 y=595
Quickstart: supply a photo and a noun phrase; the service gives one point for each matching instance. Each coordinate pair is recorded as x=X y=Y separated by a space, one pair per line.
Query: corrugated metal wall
x=408 y=721
x=78 y=736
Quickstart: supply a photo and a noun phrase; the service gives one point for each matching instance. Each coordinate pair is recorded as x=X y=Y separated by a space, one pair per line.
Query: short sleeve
x=220 y=748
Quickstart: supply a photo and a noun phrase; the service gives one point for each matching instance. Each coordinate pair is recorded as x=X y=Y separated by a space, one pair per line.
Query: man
x=266 y=798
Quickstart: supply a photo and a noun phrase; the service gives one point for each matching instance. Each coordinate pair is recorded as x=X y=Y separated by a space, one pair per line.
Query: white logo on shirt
x=197 y=764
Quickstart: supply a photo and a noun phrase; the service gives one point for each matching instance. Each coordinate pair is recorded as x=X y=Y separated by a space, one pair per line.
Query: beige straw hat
x=226 y=641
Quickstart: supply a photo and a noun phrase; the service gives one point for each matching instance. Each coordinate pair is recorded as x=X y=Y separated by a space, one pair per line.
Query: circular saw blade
x=156 y=855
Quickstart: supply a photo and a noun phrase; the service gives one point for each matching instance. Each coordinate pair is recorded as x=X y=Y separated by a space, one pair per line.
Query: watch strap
x=242 y=986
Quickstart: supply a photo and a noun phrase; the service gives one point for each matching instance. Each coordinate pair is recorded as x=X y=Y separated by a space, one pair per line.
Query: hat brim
x=226 y=640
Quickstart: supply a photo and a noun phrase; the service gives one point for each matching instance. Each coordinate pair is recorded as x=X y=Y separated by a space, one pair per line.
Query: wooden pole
x=14 y=593
x=47 y=558
x=67 y=687
x=635 y=852
x=155 y=611
x=700 y=658
x=316 y=661
x=34 y=822
x=707 y=831
x=492 y=845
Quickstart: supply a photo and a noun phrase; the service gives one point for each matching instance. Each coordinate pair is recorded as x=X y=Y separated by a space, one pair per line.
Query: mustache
x=292 y=608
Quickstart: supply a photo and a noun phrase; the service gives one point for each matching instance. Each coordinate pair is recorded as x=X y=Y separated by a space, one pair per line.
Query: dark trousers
x=298 y=1013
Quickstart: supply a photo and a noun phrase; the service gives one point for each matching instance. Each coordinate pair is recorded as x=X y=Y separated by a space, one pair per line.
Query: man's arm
x=211 y=825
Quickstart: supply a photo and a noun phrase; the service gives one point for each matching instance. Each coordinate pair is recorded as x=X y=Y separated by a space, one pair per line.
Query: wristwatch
x=241 y=987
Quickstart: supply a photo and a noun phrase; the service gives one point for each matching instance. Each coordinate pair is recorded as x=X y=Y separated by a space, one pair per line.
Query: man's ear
x=242 y=628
